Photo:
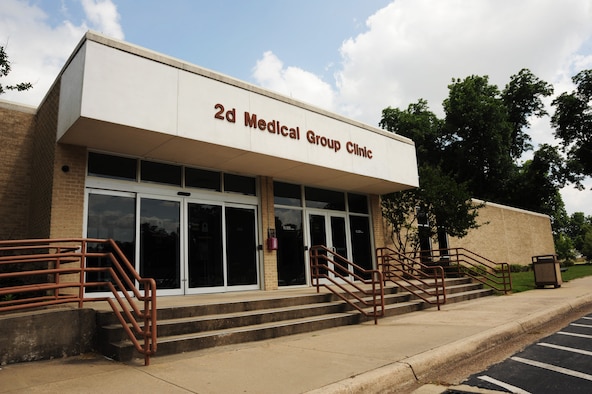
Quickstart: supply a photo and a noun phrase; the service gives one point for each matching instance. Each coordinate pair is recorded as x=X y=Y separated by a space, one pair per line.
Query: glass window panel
x=161 y=173
x=205 y=246
x=111 y=217
x=324 y=199
x=241 y=247
x=202 y=179
x=287 y=194
x=160 y=242
x=239 y=184
x=357 y=203
x=290 y=253
x=361 y=242
x=109 y=166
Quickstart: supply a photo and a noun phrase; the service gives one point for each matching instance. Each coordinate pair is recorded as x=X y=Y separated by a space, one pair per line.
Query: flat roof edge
x=183 y=65
x=29 y=109
x=509 y=208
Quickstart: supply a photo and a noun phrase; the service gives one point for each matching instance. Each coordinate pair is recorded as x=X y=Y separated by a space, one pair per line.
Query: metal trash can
x=546 y=271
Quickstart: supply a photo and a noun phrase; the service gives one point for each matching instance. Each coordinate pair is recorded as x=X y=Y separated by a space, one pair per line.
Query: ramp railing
x=463 y=262
x=37 y=273
x=425 y=282
x=361 y=288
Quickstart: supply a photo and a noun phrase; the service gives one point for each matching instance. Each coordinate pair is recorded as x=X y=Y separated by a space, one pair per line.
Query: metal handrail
x=69 y=256
x=399 y=269
x=481 y=269
x=321 y=264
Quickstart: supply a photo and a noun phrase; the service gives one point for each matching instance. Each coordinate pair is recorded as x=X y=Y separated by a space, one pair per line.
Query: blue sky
x=354 y=57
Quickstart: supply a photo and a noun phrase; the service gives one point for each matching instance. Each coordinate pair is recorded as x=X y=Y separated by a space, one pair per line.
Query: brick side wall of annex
x=17 y=126
x=507 y=235
x=57 y=198
x=510 y=236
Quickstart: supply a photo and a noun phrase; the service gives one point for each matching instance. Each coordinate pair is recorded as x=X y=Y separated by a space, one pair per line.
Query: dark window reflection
x=159 y=242
x=205 y=246
x=290 y=253
x=202 y=179
x=110 y=217
x=324 y=199
x=287 y=194
x=360 y=238
x=161 y=173
x=241 y=254
x=357 y=203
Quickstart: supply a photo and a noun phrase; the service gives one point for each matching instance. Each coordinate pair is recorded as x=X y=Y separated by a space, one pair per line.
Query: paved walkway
x=355 y=359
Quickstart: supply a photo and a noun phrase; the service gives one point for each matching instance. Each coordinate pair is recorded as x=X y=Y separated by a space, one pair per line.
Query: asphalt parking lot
x=559 y=363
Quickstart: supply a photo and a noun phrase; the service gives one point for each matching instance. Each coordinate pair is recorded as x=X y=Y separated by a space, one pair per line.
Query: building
x=208 y=184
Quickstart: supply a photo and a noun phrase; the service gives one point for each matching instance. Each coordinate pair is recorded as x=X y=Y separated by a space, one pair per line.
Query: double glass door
x=330 y=229
x=192 y=247
x=186 y=245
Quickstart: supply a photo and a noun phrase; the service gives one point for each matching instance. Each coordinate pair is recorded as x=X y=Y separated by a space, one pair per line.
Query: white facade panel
x=126 y=89
x=143 y=104
x=71 y=92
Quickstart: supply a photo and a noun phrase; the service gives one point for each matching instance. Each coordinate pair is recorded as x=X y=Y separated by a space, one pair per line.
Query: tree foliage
x=572 y=121
x=442 y=203
x=5 y=70
x=473 y=153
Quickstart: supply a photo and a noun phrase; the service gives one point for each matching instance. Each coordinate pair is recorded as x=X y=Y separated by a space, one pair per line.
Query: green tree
x=564 y=248
x=572 y=121
x=421 y=125
x=477 y=136
x=522 y=97
x=587 y=245
x=444 y=204
x=439 y=204
x=535 y=185
x=5 y=70
x=577 y=227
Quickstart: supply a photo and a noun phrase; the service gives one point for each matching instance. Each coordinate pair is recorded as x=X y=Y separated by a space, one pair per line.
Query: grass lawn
x=523 y=281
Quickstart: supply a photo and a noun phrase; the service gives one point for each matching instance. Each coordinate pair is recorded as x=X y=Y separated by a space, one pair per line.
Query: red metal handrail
x=59 y=257
x=324 y=261
x=425 y=282
x=467 y=263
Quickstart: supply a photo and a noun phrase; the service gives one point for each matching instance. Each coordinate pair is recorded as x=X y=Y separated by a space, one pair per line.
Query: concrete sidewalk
x=354 y=359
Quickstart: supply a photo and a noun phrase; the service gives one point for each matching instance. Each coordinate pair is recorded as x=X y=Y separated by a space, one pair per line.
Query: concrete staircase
x=194 y=327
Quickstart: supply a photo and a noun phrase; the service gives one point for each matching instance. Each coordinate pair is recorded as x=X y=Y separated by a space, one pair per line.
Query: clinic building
x=207 y=183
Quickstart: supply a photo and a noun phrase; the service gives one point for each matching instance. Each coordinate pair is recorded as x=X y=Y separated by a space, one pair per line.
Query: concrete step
x=195 y=327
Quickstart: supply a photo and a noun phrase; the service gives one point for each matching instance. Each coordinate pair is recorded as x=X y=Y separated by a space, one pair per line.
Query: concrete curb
x=410 y=370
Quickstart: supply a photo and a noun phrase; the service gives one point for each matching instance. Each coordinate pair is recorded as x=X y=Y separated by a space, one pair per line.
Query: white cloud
x=294 y=82
x=413 y=48
x=104 y=16
x=38 y=50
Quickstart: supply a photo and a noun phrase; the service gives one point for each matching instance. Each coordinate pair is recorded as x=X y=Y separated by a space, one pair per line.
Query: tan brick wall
x=512 y=235
x=378 y=224
x=270 y=274
x=42 y=165
x=507 y=235
x=17 y=126
x=67 y=208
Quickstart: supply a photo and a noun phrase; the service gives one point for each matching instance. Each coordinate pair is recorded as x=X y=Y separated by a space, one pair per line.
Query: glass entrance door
x=241 y=247
x=160 y=243
x=330 y=229
x=221 y=248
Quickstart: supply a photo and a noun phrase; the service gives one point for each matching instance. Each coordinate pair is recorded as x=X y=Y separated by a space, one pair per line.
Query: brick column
x=270 y=274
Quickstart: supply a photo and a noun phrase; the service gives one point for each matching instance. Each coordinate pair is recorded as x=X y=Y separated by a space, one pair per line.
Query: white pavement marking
x=581 y=325
x=509 y=387
x=553 y=368
x=573 y=334
x=587 y=318
x=567 y=349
